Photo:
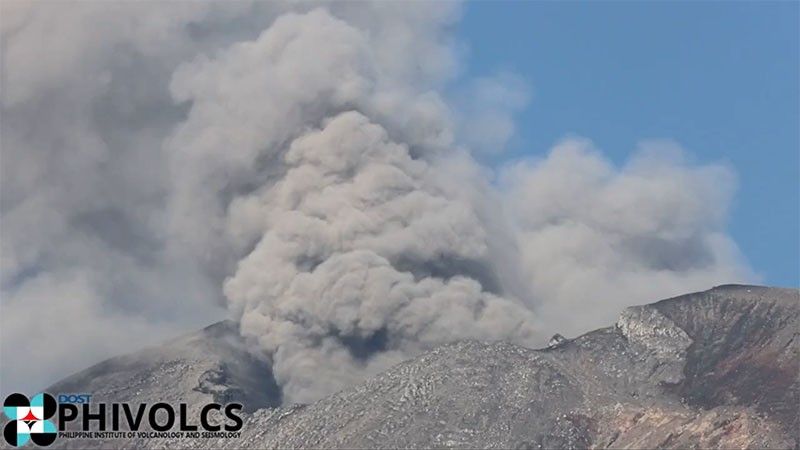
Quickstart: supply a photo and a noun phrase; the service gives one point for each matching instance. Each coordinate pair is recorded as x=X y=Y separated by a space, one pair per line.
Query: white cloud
x=487 y=109
x=596 y=238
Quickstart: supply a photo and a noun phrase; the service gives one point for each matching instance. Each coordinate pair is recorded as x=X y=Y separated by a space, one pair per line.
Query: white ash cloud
x=486 y=111
x=596 y=238
x=299 y=165
x=85 y=108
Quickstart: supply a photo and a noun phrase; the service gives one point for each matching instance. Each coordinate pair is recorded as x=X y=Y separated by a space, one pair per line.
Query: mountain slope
x=210 y=365
x=672 y=374
x=711 y=369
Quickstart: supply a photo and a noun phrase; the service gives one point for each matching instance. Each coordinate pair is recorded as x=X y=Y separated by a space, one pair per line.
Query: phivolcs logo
x=29 y=419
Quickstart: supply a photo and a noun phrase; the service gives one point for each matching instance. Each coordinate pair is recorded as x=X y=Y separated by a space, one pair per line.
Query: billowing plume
x=358 y=249
x=594 y=238
x=298 y=165
x=362 y=253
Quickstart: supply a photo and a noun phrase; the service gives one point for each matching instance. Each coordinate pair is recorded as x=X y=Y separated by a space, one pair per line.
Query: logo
x=29 y=419
x=80 y=417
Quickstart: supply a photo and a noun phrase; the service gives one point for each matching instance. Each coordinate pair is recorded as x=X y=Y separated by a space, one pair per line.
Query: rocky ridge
x=715 y=369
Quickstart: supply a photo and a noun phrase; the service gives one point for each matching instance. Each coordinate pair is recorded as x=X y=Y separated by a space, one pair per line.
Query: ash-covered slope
x=744 y=351
x=712 y=369
x=210 y=365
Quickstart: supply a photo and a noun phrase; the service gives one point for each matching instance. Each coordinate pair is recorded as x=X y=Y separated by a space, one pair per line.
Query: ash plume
x=299 y=166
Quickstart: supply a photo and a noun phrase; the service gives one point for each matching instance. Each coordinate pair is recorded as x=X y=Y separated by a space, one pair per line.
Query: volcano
x=714 y=369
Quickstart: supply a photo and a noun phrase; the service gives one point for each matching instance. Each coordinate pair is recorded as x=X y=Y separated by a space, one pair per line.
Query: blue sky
x=719 y=78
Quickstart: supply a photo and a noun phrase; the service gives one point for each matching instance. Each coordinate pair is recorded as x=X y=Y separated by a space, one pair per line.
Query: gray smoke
x=298 y=165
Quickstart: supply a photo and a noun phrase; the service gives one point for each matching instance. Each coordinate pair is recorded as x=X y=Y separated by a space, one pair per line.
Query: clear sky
x=720 y=78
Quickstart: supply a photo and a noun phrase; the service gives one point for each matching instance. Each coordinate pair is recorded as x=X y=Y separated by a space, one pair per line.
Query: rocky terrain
x=211 y=365
x=715 y=369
